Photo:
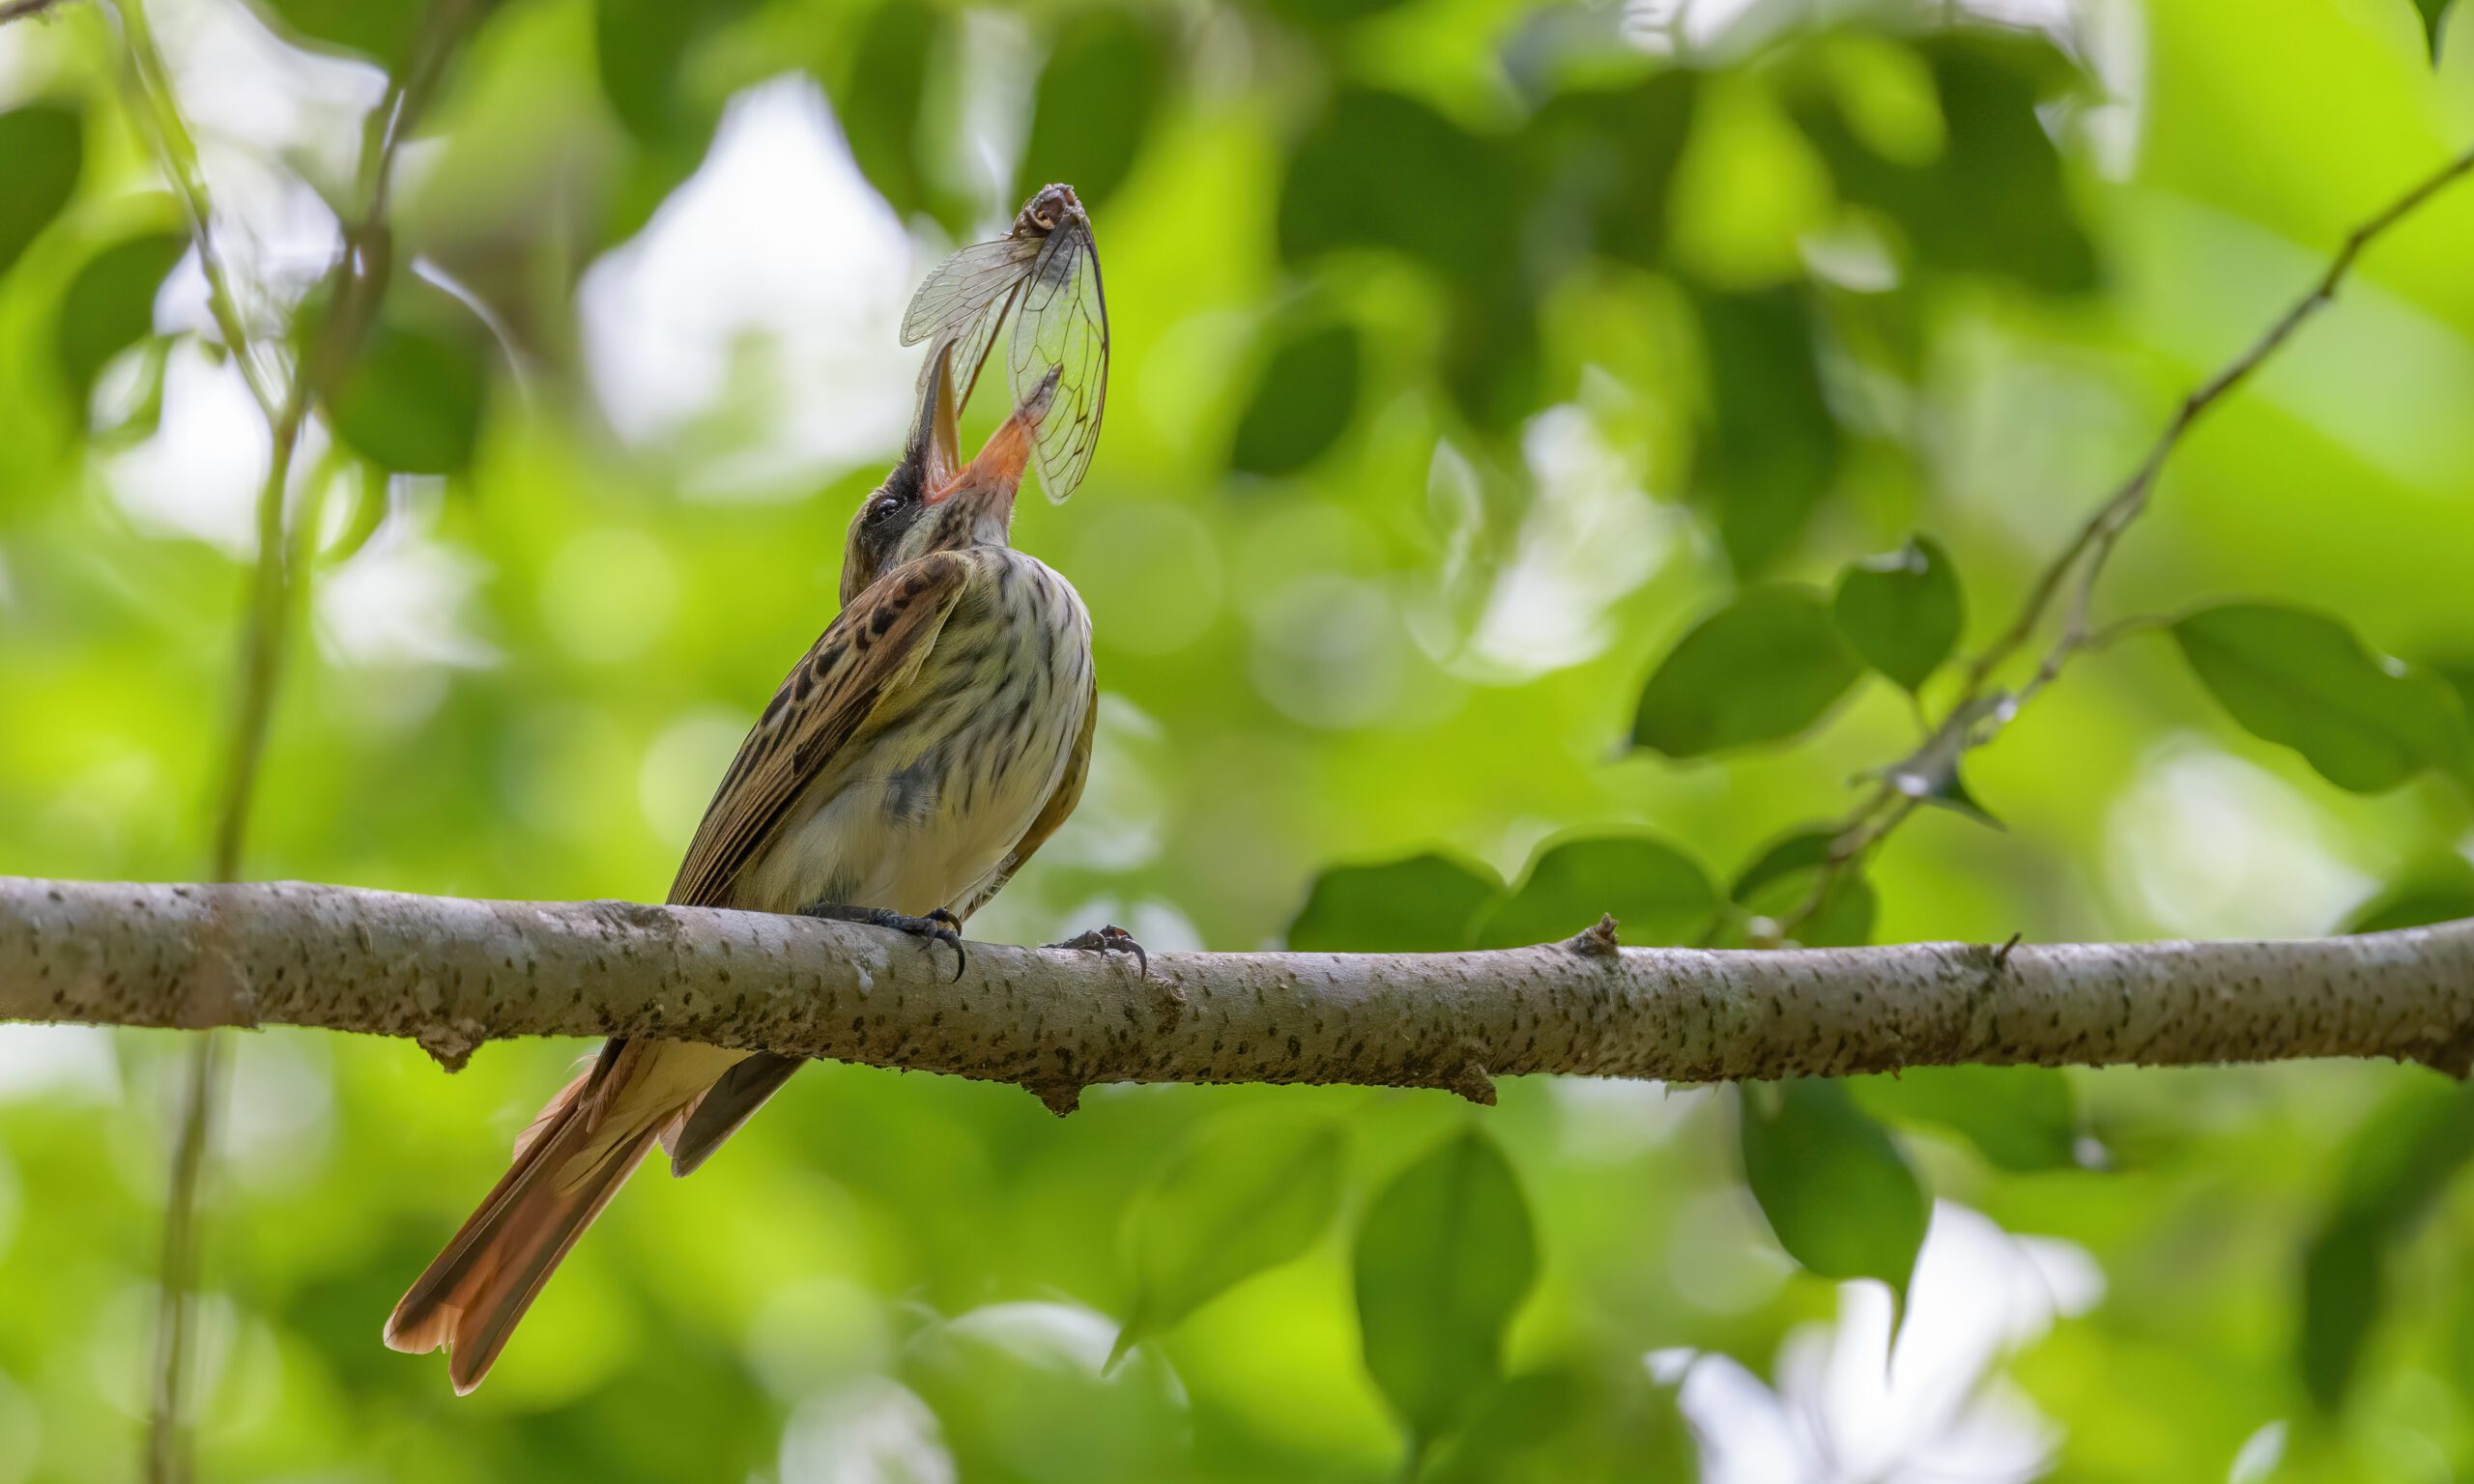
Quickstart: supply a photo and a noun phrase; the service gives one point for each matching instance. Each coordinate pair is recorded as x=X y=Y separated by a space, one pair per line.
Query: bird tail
x=567 y=1166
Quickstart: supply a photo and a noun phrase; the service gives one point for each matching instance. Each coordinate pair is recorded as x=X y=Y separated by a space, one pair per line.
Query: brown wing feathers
x=877 y=644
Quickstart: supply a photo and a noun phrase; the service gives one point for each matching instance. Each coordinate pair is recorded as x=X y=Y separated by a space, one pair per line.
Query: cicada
x=1044 y=274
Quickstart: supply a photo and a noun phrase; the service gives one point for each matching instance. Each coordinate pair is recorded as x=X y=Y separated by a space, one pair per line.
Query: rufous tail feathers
x=565 y=1170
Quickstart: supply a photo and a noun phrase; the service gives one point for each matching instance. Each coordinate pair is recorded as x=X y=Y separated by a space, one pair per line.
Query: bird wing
x=1060 y=803
x=863 y=657
x=875 y=644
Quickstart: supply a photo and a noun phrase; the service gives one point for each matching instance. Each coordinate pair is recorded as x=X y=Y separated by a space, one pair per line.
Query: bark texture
x=451 y=974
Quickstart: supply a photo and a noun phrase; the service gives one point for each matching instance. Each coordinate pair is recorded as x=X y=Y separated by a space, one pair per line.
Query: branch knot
x=1471 y=1080
x=1596 y=941
x=452 y=1042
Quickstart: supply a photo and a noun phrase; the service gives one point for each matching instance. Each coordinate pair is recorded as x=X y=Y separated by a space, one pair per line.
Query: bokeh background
x=1467 y=353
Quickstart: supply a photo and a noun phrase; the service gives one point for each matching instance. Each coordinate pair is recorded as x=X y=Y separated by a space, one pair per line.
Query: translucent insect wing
x=963 y=287
x=1064 y=322
x=1047 y=283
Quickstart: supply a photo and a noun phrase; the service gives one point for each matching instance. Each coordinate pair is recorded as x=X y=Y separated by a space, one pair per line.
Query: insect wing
x=1047 y=281
x=962 y=288
x=1064 y=322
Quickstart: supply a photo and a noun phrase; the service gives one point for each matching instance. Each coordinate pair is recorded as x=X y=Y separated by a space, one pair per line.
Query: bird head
x=933 y=502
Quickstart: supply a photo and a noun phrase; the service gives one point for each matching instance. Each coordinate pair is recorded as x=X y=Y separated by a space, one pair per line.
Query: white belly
x=941 y=798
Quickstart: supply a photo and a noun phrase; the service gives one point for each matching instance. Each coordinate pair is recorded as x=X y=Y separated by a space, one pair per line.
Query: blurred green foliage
x=1902 y=612
x=1252 y=1195
x=1764 y=667
x=1842 y=1199
x=1444 y=1259
x=2303 y=679
x=1512 y=404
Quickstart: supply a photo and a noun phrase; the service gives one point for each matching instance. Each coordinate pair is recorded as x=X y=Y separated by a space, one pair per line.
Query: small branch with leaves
x=2287 y=674
x=1979 y=713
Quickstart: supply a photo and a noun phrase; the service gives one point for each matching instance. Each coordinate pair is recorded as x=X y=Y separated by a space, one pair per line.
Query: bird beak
x=936 y=447
x=998 y=473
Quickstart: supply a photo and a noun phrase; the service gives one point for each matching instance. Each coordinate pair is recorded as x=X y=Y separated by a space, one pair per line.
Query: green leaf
x=1902 y=612
x=1570 y=1422
x=1443 y=1260
x=1657 y=893
x=1782 y=879
x=2302 y=680
x=1764 y=667
x=1791 y=855
x=1301 y=403
x=1424 y=904
x=2431 y=13
x=382 y=30
x=1517 y=1416
x=411 y=400
x=1094 y=106
x=1992 y=201
x=879 y=97
x=1617 y=151
x=1491 y=358
x=641 y=48
x=109 y=306
x=2395 y=1168
x=1841 y=1198
x=1931 y=774
x=2019 y=1118
x=44 y=147
x=1382 y=170
x=2438 y=890
x=1010 y=1388
x=2458 y=673
x=1246 y=1198
x=1772 y=446
x=1954 y=795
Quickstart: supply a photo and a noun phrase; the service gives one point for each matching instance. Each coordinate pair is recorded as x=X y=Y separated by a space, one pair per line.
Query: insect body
x=1044 y=274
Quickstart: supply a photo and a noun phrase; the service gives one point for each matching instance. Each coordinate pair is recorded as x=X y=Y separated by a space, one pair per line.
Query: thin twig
x=170 y=1433
x=1969 y=723
x=158 y=119
x=356 y=284
x=21 y=10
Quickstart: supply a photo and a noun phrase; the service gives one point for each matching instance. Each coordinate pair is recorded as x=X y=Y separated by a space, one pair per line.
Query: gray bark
x=451 y=974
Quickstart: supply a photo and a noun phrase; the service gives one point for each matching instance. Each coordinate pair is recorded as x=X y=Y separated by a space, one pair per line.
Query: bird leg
x=939 y=926
x=1112 y=939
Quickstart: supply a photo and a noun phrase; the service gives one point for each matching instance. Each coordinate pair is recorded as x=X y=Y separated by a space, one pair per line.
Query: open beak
x=936 y=447
x=996 y=475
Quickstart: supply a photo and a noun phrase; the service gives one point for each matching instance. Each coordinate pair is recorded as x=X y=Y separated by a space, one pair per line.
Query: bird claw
x=1110 y=939
x=938 y=927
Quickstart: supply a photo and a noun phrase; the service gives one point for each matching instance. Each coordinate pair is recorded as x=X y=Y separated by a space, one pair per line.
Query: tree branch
x=453 y=974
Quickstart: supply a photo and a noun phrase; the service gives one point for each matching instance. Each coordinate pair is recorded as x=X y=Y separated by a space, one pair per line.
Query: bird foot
x=939 y=926
x=1112 y=939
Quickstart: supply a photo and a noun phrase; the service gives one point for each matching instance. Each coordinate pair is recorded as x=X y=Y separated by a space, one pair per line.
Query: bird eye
x=881 y=509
